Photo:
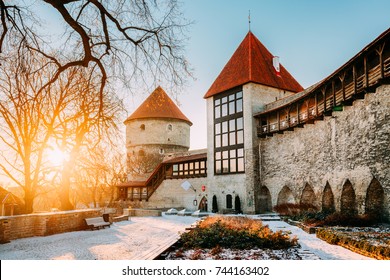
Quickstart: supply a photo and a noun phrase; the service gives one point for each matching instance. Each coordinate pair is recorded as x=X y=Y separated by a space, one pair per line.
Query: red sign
x=203 y=188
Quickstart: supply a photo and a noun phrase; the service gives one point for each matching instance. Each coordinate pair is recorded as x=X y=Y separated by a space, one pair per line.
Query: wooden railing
x=373 y=66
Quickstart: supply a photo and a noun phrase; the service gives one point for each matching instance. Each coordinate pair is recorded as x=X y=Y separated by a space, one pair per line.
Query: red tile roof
x=158 y=105
x=252 y=62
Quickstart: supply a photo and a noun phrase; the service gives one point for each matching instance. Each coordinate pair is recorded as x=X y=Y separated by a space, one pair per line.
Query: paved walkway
x=143 y=238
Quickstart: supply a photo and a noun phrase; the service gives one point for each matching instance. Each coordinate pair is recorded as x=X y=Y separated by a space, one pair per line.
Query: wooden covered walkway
x=361 y=75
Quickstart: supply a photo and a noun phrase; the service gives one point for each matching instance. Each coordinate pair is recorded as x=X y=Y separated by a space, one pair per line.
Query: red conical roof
x=158 y=105
x=252 y=62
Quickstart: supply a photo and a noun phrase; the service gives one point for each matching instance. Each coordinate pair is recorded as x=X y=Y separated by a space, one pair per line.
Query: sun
x=56 y=156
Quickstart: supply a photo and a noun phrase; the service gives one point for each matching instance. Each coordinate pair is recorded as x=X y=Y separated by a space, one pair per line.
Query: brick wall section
x=22 y=226
x=350 y=145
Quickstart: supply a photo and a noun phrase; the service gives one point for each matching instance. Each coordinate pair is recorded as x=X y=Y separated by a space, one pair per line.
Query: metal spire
x=249 y=20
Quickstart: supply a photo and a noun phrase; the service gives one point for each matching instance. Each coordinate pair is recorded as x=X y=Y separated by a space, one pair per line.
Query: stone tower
x=155 y=129
x=251 y=79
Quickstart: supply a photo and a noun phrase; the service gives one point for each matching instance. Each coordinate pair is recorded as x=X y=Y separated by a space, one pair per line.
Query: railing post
x=379 y=51
x=366 y=72
x=354 y=78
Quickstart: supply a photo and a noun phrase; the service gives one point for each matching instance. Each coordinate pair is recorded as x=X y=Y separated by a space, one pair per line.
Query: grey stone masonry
x=351 y=147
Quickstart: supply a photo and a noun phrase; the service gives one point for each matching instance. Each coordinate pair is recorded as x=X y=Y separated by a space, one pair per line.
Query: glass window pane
x=186 y=166
x=196 y=171
x=240 y=137
x=239 y=94
x=217 y=128
x=240 y=124
x=224 y=127
x=232 y=138
x=218 y=167
x=233 y=167
x=225 y=166
x=191 y=165
x=191 y=172
x=175 y=167
x=232 y=97
x=180 y=166
x=218 y=155
x=224 y=110
x=197 y=165
x=217 y=112
x=232 y=153
x=232 y=109
x=232 y=125
x=202 y=165
x=217 y=101
x=225 y=154
x=225 y=140
x=218 y=141
x=224 y=100
x=239 y=105
x=240 y=152
x=240 y=164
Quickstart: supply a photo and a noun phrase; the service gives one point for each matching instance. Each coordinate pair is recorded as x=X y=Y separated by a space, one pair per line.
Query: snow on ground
x=129 y=239
x=310 y=242
x=123 y=240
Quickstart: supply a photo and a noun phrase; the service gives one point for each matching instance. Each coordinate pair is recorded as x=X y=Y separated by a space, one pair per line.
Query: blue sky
x=312 y=39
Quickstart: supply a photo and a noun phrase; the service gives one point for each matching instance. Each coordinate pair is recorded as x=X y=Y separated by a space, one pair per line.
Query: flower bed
x=371 y=242
x=222 y=237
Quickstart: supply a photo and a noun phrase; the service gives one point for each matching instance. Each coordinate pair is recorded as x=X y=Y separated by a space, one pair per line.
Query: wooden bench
x=96 y=223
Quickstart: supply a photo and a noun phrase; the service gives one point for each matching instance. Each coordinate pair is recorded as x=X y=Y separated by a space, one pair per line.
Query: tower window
x=229 y=133
x=142 y=127
x=169 y=127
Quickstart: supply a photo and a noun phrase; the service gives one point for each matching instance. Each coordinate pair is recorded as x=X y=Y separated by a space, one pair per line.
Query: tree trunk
x=28 y=201
x=65 y=189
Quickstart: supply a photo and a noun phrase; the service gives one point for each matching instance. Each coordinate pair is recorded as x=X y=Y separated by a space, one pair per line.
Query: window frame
x=229 y=133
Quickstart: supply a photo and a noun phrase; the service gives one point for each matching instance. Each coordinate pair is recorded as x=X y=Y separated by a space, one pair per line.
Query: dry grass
x=235 y=232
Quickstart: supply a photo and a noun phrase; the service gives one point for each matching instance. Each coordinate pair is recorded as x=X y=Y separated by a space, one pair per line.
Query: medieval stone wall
x=342 y=161
x=22 y=226
x=170 y=194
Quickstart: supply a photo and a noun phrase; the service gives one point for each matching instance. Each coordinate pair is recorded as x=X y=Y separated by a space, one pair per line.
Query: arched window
x=229 y=201
x=142 y=127
x=169 y=127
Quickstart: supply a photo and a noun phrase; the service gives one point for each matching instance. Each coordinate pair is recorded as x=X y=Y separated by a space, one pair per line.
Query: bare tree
x=23 y=133
x=133 y=39
x=82 y=125
x=141 y=164
x=97 y=176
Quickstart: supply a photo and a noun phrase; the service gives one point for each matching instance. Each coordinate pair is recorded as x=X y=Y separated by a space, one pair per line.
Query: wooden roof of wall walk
x=158 y=106
x=287 y=101
x=252 y=62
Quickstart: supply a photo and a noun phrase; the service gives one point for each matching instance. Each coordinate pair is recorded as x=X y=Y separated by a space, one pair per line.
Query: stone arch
x=215 y=204
x=229 y=201
x=375 y=199
x=348 y=199
x=237 y=205
x=285 y=196
x=203 y=204
x=265 y=202
x=308 y=196
x=328 y=199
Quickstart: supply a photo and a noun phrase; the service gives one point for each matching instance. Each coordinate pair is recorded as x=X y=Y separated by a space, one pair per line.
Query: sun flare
x=56 y=156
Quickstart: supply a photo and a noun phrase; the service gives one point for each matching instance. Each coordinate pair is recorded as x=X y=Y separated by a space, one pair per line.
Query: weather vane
x=249 y=20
